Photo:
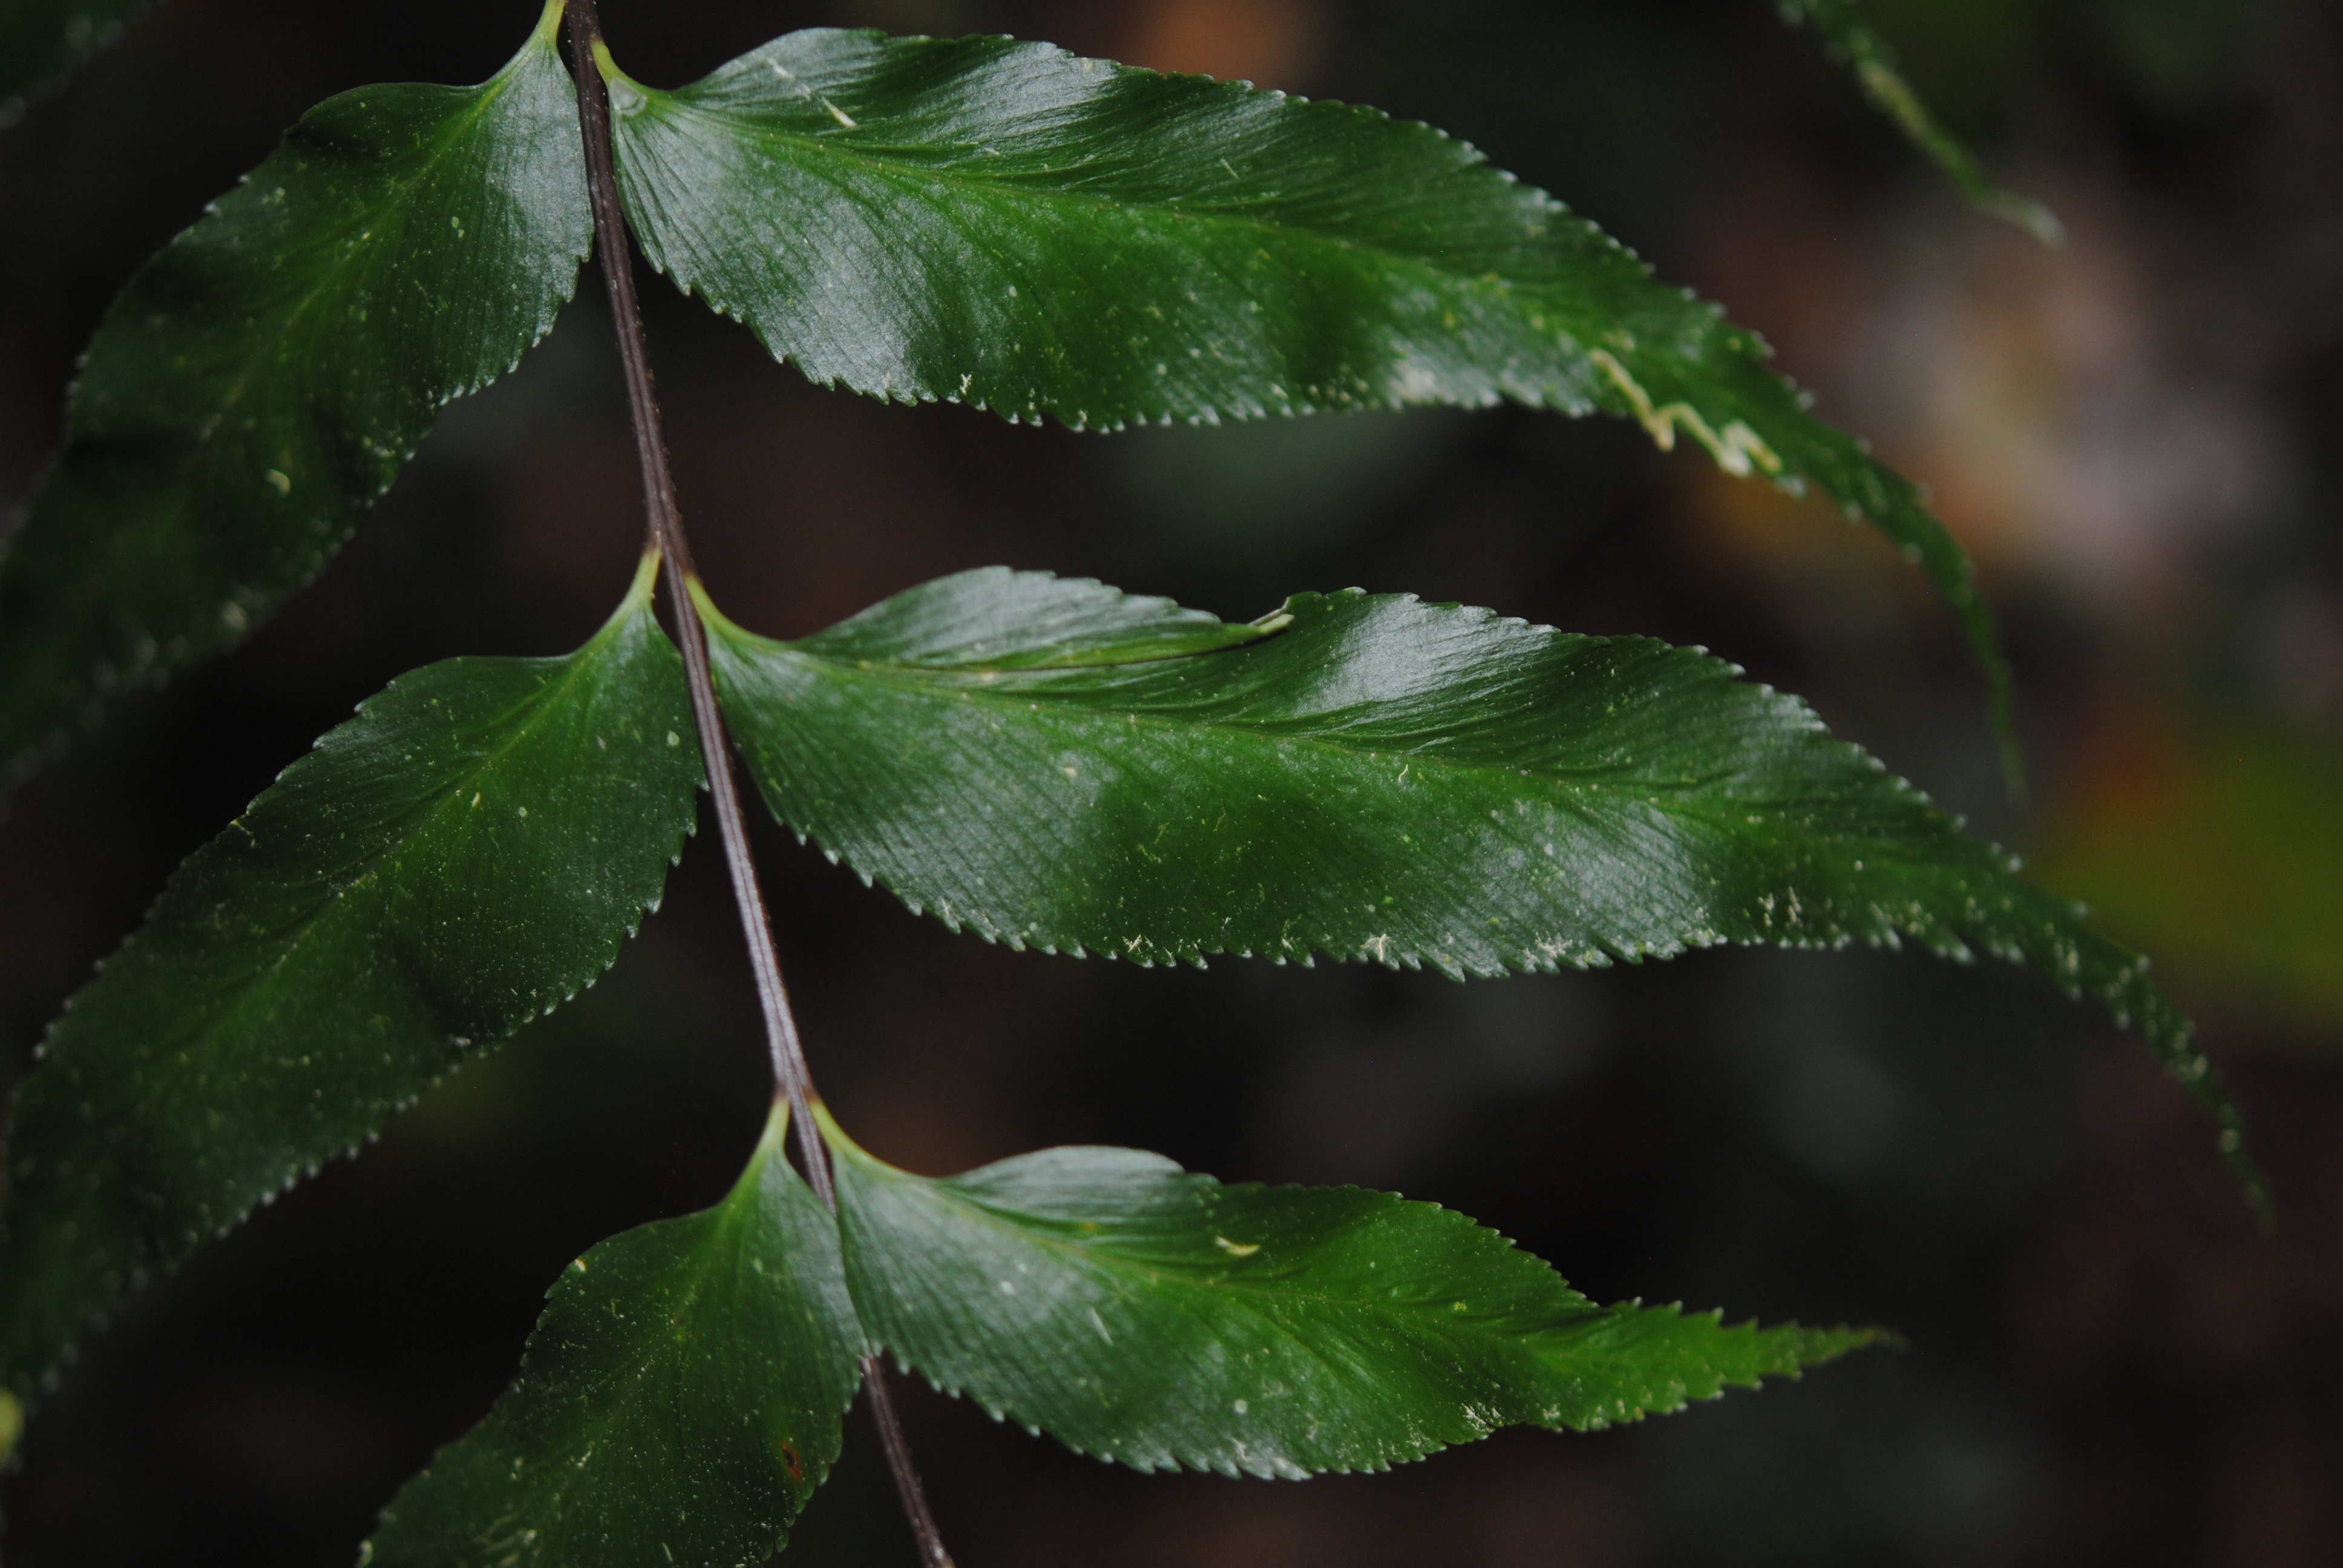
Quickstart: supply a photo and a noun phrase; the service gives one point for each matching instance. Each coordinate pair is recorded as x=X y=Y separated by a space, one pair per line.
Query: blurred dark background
x=2140 y=437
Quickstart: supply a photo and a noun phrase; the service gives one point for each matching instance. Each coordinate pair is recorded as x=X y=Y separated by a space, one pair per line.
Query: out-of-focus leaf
x=1139 y=1314
x=1003 y=224
x=1368 y=776
x=1873 y=61
x=679 y=1401
x=42 y=40
x=467 y=853
x=2222 y=849
x=265 y=377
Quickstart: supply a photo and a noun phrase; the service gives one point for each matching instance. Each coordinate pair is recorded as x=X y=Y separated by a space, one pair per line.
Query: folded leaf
x=262 y=381
x=40 y=40
x=679 y=1401
x=1003 y=224
x=1874 y=63
x=1139 y=1314
x=1381 y=778
x=463 y=855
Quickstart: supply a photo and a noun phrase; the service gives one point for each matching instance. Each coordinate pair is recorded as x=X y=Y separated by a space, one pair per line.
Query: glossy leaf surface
x=465 y=854
x=40 y=40
x=1003 y=224
x=1141 y=1314
x=1380 y=779
x=1873 y=60
x=679 y=1401
x=262 y=381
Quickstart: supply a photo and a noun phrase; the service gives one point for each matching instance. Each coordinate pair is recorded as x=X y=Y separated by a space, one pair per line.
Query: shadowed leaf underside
x=263 y=379
x=679 y=1401
x=465 y=854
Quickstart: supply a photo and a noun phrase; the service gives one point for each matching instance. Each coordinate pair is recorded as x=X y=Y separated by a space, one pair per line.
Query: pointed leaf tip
x=1159 y=1318
x=1874 y=63
x=1050 y=764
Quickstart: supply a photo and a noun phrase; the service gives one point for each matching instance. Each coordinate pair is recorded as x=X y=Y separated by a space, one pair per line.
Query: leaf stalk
x=665 y=534
x=664 y=528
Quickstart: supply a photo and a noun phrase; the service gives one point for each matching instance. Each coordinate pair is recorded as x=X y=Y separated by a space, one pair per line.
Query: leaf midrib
x=606 y=1411
x=265 y=975
x=964 y=178
x=998 y=1219
x=917 y=678
x=328 y=279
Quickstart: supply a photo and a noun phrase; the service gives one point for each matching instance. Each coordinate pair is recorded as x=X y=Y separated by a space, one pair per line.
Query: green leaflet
x=261 y=382
x=40 y=40
x=679 y=1401
x=1873 y=60
x=1139 y=1314
x=465 y=854
x=1381 y=779
x=1003 y=224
